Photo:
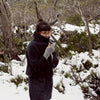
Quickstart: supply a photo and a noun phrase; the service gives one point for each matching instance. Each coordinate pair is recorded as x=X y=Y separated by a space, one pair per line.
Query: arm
x=37 y=64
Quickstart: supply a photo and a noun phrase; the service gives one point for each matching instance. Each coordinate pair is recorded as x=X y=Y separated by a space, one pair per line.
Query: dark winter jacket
x=37 y=65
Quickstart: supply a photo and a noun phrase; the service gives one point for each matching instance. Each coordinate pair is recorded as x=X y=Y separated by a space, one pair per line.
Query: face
x=45 y=34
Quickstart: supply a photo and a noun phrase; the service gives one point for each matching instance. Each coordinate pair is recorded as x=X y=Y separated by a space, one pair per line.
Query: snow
x=9 y=91
x=94 y=29
x=64 y=45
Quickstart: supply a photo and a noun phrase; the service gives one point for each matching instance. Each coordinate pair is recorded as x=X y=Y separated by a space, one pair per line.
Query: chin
x=47 y=37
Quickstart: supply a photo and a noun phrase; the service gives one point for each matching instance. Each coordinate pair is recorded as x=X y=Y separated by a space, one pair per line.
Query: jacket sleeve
x=55 y=60
x=37 y=64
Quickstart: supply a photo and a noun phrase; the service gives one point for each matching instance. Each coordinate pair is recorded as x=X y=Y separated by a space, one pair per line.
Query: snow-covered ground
x=9 y=91
x=94 y=29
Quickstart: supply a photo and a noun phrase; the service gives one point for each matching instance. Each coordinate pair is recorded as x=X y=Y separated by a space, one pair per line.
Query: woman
x=41 y=59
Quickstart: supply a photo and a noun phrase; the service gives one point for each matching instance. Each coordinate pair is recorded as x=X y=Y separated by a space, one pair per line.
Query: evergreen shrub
x=4 y=68
x=18 y=80
x=94 y=83
x=74 y=19
x=80 y=42
x=87 y=65
x=21 y=46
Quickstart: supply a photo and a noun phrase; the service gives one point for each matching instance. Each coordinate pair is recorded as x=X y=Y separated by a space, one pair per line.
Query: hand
x=49 y=50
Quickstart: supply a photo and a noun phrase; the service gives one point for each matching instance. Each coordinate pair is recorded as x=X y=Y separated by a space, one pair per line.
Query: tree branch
x=93 y=18
x=55 y=3
x=59 y=44
x=37 y=11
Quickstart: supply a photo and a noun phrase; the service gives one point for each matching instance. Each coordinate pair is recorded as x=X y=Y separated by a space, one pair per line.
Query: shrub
x=90 y=85
x=26 y=80
x=1 y=45
x=74 y=19
x=87 y=65
x=25 y=88
x=60 y=53
x=95 y=41
x=80 y=42
x=60 y=87
x=94 y=83
x=96 y=65
x=85 y=90
x=4 y=68
x=1 y=42
x=67 y=75
x=1 y=59
x=21 y=46
x=17 y=80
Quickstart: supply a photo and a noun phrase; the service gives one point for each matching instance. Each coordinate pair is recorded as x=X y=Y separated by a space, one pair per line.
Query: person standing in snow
x=41 y=59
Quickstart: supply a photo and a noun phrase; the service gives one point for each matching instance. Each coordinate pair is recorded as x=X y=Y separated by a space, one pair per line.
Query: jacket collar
x=40 y=38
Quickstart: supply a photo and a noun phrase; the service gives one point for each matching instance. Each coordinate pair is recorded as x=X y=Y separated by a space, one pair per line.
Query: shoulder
x=31 y=45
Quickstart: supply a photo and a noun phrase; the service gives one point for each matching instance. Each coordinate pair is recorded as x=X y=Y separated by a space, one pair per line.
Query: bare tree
x=10 y=50
x=83 y=12
x=24 y=19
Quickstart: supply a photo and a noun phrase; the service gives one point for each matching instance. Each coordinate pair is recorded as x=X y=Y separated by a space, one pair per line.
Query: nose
x=47 y=35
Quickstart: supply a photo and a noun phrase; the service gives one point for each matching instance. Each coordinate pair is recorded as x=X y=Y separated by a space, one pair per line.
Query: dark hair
x=42 y=26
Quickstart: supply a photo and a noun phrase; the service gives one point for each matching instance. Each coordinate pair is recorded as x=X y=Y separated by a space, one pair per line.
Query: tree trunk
x=24 y=20
x=10 y=51
x=99 y=31
x=89 y=35
x=83 y=13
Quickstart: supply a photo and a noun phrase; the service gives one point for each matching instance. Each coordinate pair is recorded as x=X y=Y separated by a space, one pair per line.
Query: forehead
x=45 y=32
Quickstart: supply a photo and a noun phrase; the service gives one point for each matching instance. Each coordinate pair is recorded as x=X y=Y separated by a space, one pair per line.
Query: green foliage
x=90 y=84
x=4 y=68
x=92 y=74
x=79 y=42
x=26 y=80
x=58 y=51
x=85 y=90
x=95 y=41
x=74 y=19
x=94 y=82
x=60 y=87
x=1 y=44
x=96 y=65
x=62 y=72
x=69 y=55
x=67 y=75
x=1 y=59
x=77 y=70
x=25 y=88
x=87 y=65
x=21 y=46
x=18 y=80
